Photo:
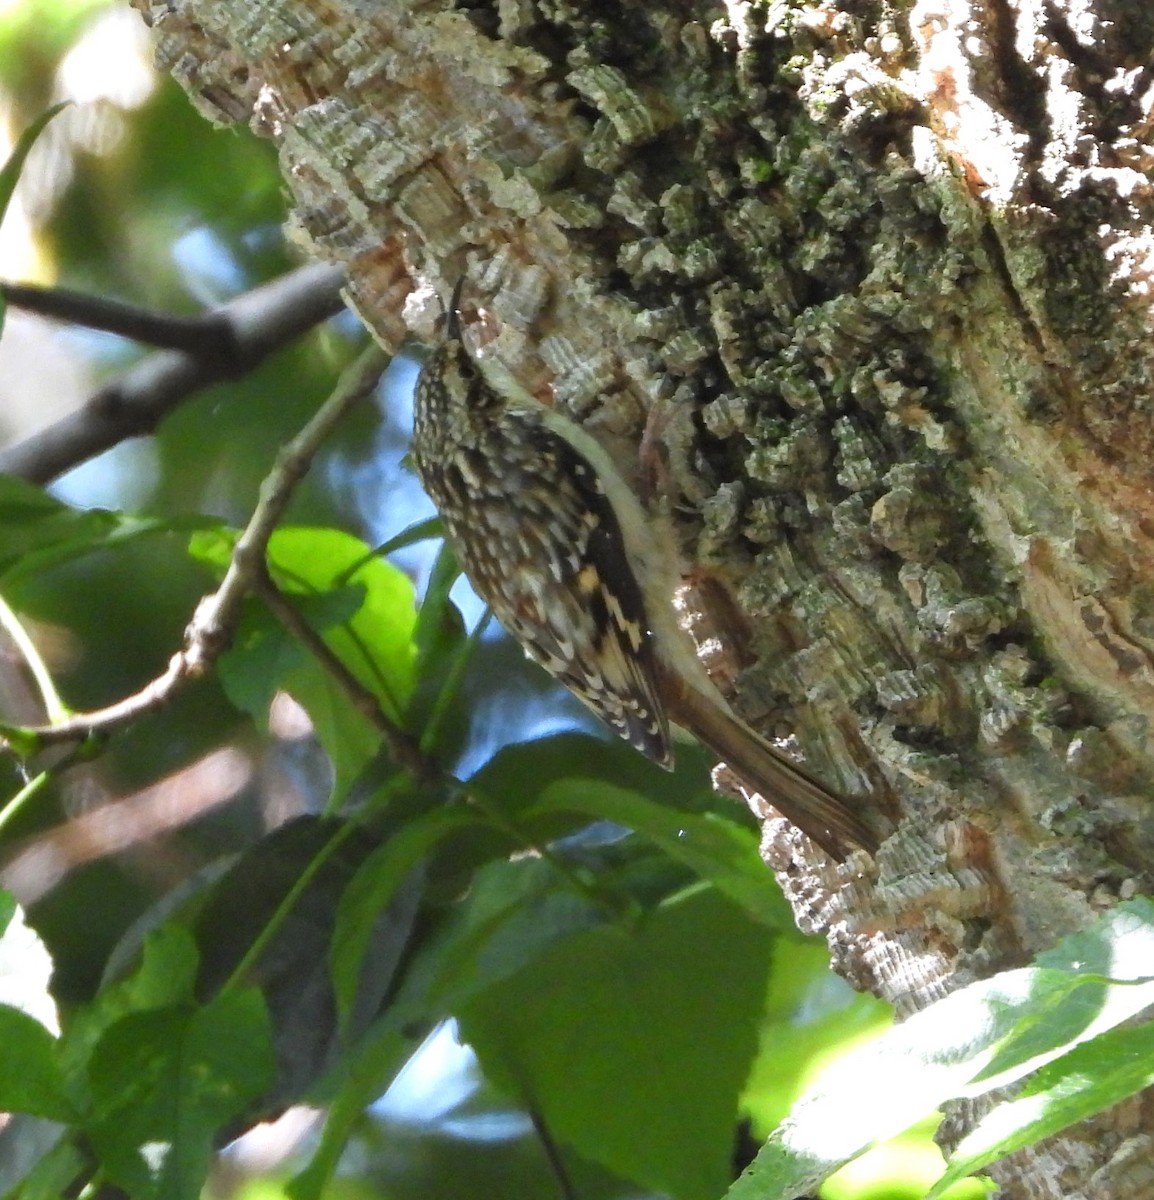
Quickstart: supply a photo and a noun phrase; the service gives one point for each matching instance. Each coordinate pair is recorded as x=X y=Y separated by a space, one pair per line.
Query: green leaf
x=258 y=662
x=264 y=655
x=50 y=1177
x=983 y=1037
x=372 y=638
x=1097 y=1073
x=213 y=548
x=1103 y=962
x=438 y=621
x=271 y=919
x=164 y=1082
x=633 y=1045
x=164 y=977
x=376 y=643
x=377 y=1062
x=1086 y=1081
x=527 y=768
x=715 y=848
x=349 y=738
x=38 y=532
x=10 y=172
x=271 y=906
x=442 y=643
x=810 y=1013
x=31 y=1080
x=420 y=531
x=167 y=971
x=373 y=888
x=514 y=910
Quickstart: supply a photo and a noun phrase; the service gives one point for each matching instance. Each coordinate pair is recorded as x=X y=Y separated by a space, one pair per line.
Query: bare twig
x=212 y=623
x=204 y=336
x=216 y=614
x=258 y=323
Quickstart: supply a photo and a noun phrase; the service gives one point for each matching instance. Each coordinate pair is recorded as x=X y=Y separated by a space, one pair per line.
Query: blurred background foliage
x=130 y=194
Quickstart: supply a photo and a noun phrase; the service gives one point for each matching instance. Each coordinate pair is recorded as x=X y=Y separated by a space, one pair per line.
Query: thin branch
x=404 y=748
x=259 y=322
x=30 y=739
x=215 y=617
x=208 y=335
x=216 y=614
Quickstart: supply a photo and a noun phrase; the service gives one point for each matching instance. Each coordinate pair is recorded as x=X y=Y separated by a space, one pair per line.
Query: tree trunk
x=875 y=278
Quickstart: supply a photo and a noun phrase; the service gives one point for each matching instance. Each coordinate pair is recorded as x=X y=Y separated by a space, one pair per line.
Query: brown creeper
x=554 y=540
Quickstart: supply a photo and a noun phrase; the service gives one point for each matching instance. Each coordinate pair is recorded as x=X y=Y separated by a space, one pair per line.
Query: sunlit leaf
x=809 y=1013
x=1088 y=1080
x=31 y=1080
x=982 y=1037
x=367 y=618
x=376 y=643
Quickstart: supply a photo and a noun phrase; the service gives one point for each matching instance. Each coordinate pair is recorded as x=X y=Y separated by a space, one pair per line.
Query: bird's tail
x=811 y=806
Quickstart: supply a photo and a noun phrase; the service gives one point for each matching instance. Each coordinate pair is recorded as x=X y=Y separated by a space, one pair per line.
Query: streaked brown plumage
x=554 y=540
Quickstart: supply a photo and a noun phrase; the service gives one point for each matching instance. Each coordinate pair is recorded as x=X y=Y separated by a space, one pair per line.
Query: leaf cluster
x=418 y=898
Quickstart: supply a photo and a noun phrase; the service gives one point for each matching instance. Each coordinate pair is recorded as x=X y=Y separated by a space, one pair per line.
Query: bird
x=554 y=539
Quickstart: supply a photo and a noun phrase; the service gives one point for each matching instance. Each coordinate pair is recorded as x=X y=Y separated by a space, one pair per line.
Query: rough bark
x=876 y=276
